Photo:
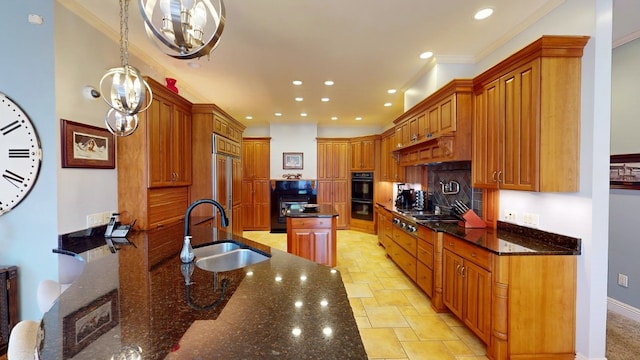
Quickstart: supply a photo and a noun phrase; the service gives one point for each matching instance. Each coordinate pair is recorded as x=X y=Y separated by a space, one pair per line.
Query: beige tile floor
x=394 y=316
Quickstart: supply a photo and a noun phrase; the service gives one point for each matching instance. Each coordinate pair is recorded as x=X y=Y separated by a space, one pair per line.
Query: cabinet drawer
x=425 y=253
x=426 y=234
x=424 y=278
x=310 y=223
x=404 y=260
x=405 y=240
x=167 y=205
x=468 y=251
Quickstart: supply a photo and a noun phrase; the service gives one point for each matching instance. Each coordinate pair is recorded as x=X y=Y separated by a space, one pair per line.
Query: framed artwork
x=624 y=172
x=292 y=160
x=85 y=325
x=86 y=146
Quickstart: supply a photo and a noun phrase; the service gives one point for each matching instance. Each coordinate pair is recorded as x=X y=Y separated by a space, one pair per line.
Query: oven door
x=362 y=189
x=362 y=209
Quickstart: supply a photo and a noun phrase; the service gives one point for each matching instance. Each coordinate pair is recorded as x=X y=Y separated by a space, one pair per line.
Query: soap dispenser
x=186 y=254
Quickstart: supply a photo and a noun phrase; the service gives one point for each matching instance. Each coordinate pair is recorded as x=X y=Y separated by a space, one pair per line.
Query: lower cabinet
x=313 y=239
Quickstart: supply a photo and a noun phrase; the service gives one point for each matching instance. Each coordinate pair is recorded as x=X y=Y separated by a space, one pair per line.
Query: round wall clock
x=20 y=154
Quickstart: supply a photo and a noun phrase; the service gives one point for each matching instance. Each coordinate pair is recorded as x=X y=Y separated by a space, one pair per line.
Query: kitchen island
x=141 y=298
x=311 y=233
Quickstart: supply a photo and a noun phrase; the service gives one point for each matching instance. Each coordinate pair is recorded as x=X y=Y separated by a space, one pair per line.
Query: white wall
x=294 y=138
x=583 y=214
x=29 y=231
x=625 y=204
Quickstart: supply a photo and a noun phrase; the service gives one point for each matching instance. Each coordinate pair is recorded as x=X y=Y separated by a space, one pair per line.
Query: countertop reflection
x=286 y=307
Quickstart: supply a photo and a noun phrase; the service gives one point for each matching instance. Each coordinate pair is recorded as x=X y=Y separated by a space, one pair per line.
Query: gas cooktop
x=421 y=215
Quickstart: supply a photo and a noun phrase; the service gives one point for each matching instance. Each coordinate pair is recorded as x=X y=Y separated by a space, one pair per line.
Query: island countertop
x=286 y=307
x=322 y=210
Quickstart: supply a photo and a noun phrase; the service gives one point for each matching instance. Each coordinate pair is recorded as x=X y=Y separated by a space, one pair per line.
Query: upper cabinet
x=438 y=128
x=154 y=163
x=389 y=167
x=363 y=153
x=526 y=133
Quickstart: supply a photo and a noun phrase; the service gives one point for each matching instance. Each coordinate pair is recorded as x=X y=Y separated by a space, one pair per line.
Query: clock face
x=20 y=154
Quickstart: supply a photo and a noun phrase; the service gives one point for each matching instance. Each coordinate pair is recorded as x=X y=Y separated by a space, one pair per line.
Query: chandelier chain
x=124 y=32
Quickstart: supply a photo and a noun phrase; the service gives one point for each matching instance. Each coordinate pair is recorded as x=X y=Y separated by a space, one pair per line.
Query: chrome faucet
x=224 y=220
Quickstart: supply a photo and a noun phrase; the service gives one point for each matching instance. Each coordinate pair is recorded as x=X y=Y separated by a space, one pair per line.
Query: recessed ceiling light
x=426 y=55
x=296 y=82
x=483 y=14
x=303 y=114
x=278 y=114
x=324 y=99
x=299 y=99
x=334 y=118
x=249 y=117
x=391 y=91
x=387 y=104
x=358 y=118
x=328 y=82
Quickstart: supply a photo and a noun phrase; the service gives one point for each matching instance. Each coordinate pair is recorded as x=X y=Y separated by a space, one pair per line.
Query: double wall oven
x=362 y=196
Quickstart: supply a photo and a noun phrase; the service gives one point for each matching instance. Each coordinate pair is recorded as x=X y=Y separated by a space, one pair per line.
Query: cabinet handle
x=473 y=254
x=451 y=244
x=458 y=268
x=500 y=176
x=462 y=271
x=493 y=176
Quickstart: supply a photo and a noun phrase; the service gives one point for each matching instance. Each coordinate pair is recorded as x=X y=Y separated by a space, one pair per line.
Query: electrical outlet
x=623 y=280
x=510 y=215
x=94 y=220
x=530 y=219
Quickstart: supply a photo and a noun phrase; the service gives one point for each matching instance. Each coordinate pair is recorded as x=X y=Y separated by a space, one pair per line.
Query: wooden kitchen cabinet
x=424 y=255
x=154 y=163
x=443 y=122
x=363 y=153
x=467 y=284
x=205 y=119
x=527 y=119
x=402 y=251
x=313 y=239
x=334 y=176
x=256 y=203
x=389 y=167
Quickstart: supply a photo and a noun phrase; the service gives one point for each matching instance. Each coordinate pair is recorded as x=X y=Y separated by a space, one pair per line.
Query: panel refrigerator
x=225 y=159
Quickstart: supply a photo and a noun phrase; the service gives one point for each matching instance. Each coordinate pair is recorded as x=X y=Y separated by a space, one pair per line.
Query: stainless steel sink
x=215 y=249
x=230 y=260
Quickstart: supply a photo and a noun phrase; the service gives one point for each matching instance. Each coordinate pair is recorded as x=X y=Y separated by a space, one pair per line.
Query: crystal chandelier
x=128 y=91
x=188 y=29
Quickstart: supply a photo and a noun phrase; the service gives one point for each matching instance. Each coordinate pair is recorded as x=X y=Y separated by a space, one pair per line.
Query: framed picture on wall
x=624 y=172
x=86 y=146
x=292 y=160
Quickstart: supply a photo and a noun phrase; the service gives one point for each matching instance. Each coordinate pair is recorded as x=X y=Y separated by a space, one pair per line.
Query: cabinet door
x=236 y=220
x=158 y=133
x=262 y=204
x=385 y=154
x=236 y=179
x=477 y=300
x=341 y=202
x=180 y=147
x=248 y=207
x=262 y=152
x=312 y=244
x=339 y=158
x=447 y=119
x=356 y=155
x=486 y=145
x=452 y=282
x=221 y=181
x=519 y=95
x=368 y=155
x=248 y=159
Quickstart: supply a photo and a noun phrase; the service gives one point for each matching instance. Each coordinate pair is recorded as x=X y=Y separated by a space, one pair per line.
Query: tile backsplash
x=459 y=172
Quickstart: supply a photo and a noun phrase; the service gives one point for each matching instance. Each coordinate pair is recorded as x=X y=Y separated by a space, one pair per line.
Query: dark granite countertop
x=286 y=307
x=507 y=239
x=322 y=210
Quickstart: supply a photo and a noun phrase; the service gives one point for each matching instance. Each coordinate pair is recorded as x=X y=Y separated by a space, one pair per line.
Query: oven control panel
x=405 y=225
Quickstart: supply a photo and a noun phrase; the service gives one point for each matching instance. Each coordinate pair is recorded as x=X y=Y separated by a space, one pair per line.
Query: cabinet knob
x=473 y=254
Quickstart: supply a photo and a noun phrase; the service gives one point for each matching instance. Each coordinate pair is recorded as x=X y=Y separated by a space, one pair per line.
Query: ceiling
x=366 y=47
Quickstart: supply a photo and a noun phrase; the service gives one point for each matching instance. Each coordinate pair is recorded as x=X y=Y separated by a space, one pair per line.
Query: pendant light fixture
x=183 y=29
x=128 y=90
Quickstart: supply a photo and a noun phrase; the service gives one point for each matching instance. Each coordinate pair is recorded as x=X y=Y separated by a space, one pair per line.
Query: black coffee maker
x=404 y=199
